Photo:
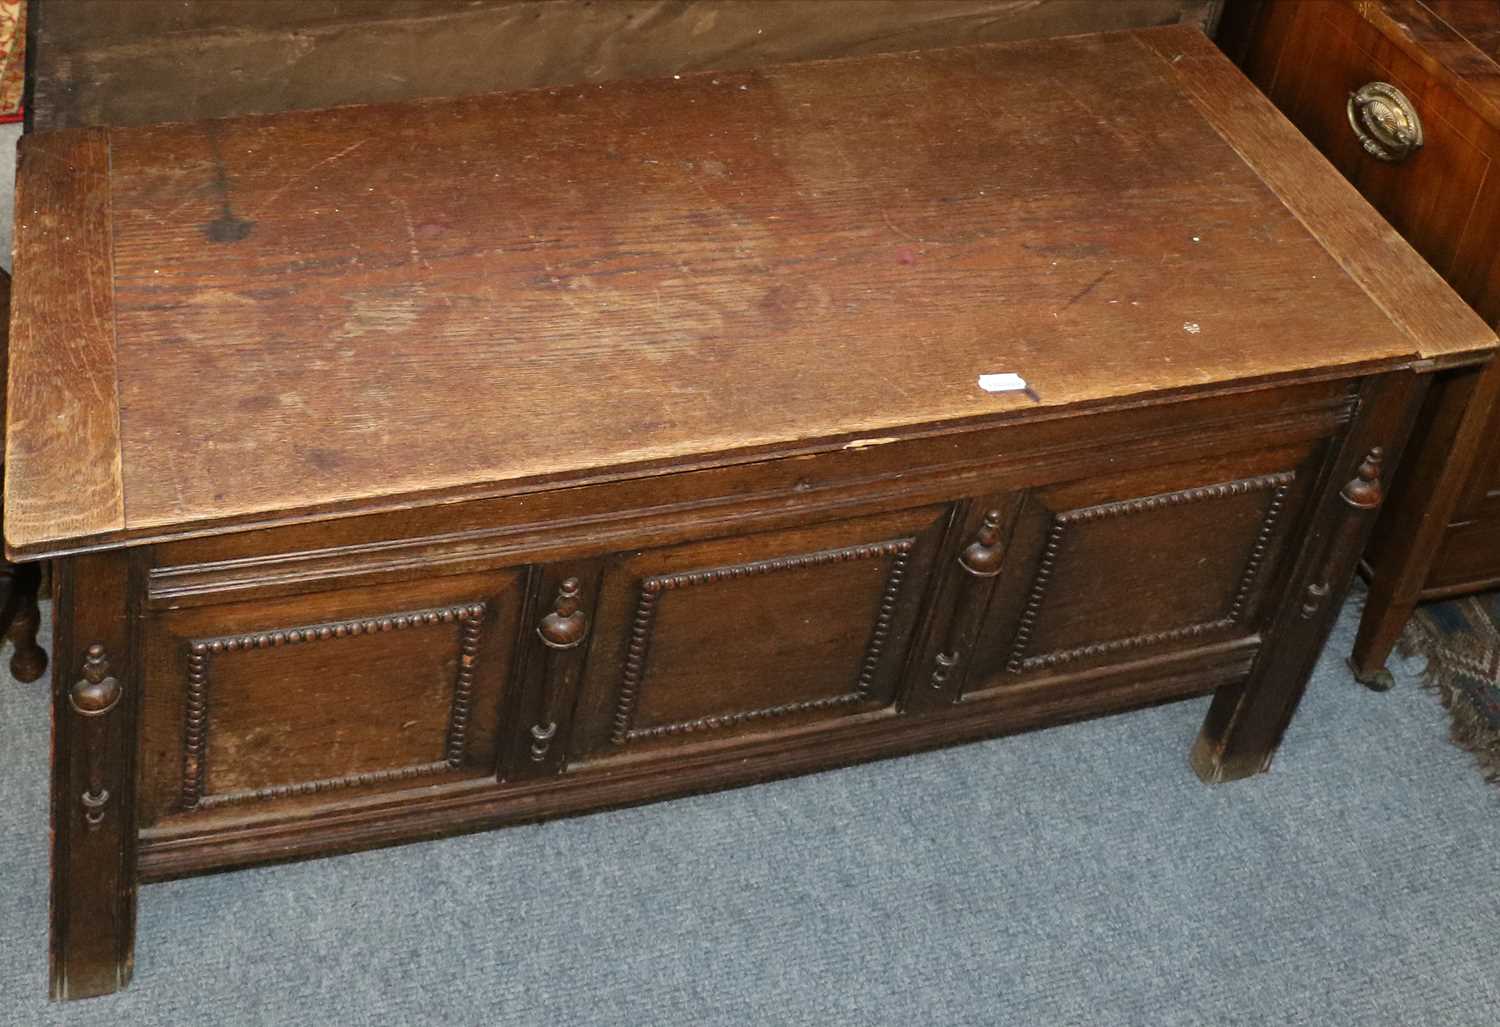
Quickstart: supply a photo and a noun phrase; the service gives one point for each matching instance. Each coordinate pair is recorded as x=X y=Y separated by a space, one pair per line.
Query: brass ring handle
x=1385 y=121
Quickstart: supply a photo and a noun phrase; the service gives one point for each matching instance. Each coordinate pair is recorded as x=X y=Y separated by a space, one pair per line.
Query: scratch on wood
x=897 y=229
x=1088 y=288
x=304 y=173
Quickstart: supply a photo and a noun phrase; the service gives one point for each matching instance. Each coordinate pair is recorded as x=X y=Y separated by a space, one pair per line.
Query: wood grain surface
x=1475 y=20
x=654 y=411
x=322 y=310
x=62 y=454
x=1457 y=41
x=1411 y=293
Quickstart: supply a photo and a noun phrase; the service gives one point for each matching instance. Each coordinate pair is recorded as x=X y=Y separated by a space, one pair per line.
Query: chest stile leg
x=1246 y=721
x=95 y=702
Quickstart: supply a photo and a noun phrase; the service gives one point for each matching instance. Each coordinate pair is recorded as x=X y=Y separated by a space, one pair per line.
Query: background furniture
x=1441 y=533
x=19 y=616
x=590 y=445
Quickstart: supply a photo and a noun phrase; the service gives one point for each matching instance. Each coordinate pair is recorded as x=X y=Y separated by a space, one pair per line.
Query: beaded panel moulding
x=1021 y=661
x=897 y=551
x=468 y=617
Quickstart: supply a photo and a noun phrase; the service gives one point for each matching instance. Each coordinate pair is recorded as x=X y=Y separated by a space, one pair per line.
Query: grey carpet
x=1073 y=876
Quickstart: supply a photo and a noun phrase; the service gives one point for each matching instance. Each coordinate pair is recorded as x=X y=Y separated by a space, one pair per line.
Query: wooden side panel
x=62 y=459
x=1481 y=501
x=1468 y=559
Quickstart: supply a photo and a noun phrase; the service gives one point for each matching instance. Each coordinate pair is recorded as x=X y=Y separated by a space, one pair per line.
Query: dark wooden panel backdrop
x=104 y=62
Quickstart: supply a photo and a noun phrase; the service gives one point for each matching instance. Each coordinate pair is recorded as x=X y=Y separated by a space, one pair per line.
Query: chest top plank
x=62 y=437
x=319 y=311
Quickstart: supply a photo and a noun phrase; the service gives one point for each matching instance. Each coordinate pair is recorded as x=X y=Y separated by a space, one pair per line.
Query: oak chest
x=430 y=467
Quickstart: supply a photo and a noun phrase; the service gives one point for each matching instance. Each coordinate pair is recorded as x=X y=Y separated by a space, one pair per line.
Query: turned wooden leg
x=94 y=701
x=29 y=661
x=1379 y=630
x=1245 y=722
x=8 y=601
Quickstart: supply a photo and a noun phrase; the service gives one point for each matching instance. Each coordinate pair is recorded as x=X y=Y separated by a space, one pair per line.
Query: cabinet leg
x=29 y=661
x=1427 y=495
x=1246 y=721
x=94 y=701
x=1379 y=628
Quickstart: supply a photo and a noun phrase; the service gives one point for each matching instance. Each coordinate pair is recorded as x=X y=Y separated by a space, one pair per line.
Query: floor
x=1080 y=875
x=9 y=134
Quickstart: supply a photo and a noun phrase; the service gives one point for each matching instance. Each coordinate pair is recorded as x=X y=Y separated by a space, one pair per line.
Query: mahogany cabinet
x=591 y=446
x=1440 y=58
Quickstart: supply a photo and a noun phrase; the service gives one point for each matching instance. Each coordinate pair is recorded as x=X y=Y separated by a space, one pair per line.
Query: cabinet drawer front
x=754 y=634
x=1481 y=500
x=1142 y=563
x=1433 y=196
x=257 y=707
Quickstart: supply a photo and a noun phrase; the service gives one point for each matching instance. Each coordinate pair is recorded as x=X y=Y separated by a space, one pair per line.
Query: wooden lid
x=221 y=322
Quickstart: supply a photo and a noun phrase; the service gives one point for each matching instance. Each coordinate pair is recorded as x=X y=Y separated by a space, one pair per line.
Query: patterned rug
x=1461 y=640
x=12 y=58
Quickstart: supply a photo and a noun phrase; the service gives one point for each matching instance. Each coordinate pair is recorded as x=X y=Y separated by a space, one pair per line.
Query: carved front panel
x=234 y=681
x=1127 y=566
x=324 y=696
x=755 y=634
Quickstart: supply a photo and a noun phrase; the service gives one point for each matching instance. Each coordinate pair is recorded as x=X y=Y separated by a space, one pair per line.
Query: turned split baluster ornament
x=92 y=698
x=980 y=560
x=562 y=631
